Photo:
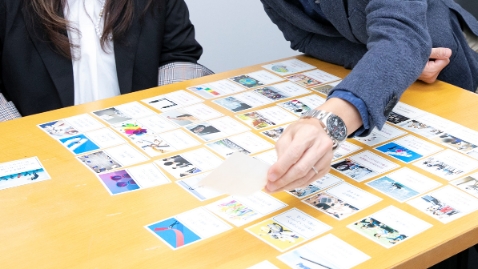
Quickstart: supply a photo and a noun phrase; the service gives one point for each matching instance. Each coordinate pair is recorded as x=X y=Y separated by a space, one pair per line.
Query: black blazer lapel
x=336 y=12
x=59 y=67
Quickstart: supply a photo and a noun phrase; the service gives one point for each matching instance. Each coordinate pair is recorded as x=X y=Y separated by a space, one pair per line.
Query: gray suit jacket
x=386 y=42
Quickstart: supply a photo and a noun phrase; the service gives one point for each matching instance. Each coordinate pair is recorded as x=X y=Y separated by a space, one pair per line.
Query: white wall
x=236 y=34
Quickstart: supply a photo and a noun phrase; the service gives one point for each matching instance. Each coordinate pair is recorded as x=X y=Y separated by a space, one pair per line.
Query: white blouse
x=94 y=70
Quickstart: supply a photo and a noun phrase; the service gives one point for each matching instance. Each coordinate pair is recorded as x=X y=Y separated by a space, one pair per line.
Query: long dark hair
x=48 y=14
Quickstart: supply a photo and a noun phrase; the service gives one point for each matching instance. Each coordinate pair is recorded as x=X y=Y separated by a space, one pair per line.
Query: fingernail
x=272 y=177
x=269 y=188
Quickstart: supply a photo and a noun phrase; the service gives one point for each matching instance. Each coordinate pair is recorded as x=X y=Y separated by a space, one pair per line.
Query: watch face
x=336 y=127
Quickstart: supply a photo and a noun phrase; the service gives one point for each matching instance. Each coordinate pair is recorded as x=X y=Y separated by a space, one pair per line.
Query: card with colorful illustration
x=112 y=158
x=217 y=128
x=267 y=117
x=448 y=164
x=217 y=89
x=389 y=226
x=189 y=163
x=403 y=112
x=288 y=67
x=320 y=184
x=468 y=184
x=403 y=184
x=242 y=101
x=342 y=200
x=303 y=104
x=172 y=100
x=377 y=136
x=93 y=140
x=123 y=112
x=133 y=178
x=22 y=172
x=256 y=79
x=327 y=252
x=155 y=144
x=240 y=210
x=275 y=133
x=312 y=78
x=460 y=139
x=345 y=148
x=288 y=229
x=446 y=204
x=363 y=166
x=325 y=89
x=71 y=126
x=192 y=185
x=191 y=114
x=247 y=143
x=188 y=227
x=408 y=148
x=281 y=91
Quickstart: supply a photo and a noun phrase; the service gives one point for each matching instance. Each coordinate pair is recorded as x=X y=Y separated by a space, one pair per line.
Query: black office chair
x=470 y=5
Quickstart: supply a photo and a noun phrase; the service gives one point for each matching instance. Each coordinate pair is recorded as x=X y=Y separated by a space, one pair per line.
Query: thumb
x=440 y=53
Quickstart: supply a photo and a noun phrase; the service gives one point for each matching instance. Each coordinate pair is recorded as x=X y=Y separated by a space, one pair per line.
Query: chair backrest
x=470 y=5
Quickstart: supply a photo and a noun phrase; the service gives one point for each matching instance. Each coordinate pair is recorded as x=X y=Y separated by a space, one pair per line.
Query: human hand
x=303 y=145
x=439 y=59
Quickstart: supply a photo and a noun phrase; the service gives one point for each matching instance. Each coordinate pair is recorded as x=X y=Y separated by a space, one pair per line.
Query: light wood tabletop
x=71 y=221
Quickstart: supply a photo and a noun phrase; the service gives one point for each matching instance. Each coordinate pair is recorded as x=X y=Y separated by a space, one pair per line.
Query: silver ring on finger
x=315 y=170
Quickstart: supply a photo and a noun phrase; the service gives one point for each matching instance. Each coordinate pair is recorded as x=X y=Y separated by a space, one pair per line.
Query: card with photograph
x=325 y=89
x=123 y=112
x=288 y=67
x=256 y=79
x=191 y=114
x=327 y=252
x=342 y=200
x=90 y=141
x=389 y=226
x=216 y=89
x=457 y=141
x=172 y=100
x=267 y=117
x=363 y=166
x=217 y=128
x=403 y=184
x=242 y=101
x=377 y=136
x=312 y=78
x=192 y=186
x=407 y=111
x=448 y=164
x=428 y=125
x=133 y=178
x=22 y=172
x=281 y=91
x=187 y=228
x=345 y=148
x=446 y=203
x=288 y=229
x=240 y=210
x=320 y=184
x=70 y=126
x=247 y=143
x=275 y=133
x=408 y=148
x=189 y=163
x=468 y=184
x=303 y=104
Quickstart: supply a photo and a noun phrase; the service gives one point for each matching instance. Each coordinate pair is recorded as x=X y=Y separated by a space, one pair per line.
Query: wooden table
x=71 y=221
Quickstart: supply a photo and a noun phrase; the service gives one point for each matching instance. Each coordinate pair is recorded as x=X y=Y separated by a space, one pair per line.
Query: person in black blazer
x=151 y=38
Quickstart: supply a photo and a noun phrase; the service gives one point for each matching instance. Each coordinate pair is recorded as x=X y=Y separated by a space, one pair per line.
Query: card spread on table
x=238 y=175
x=21 y=172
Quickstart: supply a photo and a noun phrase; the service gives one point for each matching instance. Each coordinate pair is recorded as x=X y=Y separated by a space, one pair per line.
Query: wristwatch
x=333 y=125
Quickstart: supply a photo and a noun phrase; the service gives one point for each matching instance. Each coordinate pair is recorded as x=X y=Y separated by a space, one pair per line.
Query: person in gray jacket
x=387 y=43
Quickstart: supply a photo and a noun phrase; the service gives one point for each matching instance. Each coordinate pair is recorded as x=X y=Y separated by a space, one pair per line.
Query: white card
x=275 y=133
x=216 y=128
x=256 y=79
x=428 y=125
x=240 y=210
x=363 y=166
x=242 y=101
x=191 y=114
x=21 y=172
x=403 y=112
x=269 y=156
x=312 y=78
x=301 y=105
x=281 y=91
x=389 y=226
x=126 y=155
x=345 y=148
x=342 y=200
x=71 y=126
x=267 y=117
x=247 y=143
x=326 y=252
x=173 y=100
x=468 y=184
x=460 y=139
x=448 y=164
x=191 y=185
x=325 y=89
x=446 y=204
x=235 y=176
x=155 y=124
x=403 y=184
x=320 y=184
x=408 y=148
x=216 y=89
x=377 y=136
x=288 y=67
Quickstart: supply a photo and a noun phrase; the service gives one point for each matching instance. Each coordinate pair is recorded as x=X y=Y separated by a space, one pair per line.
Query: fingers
x=440 y=53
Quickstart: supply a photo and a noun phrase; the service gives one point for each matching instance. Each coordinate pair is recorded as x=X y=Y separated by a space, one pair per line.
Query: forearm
x=346 y=111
